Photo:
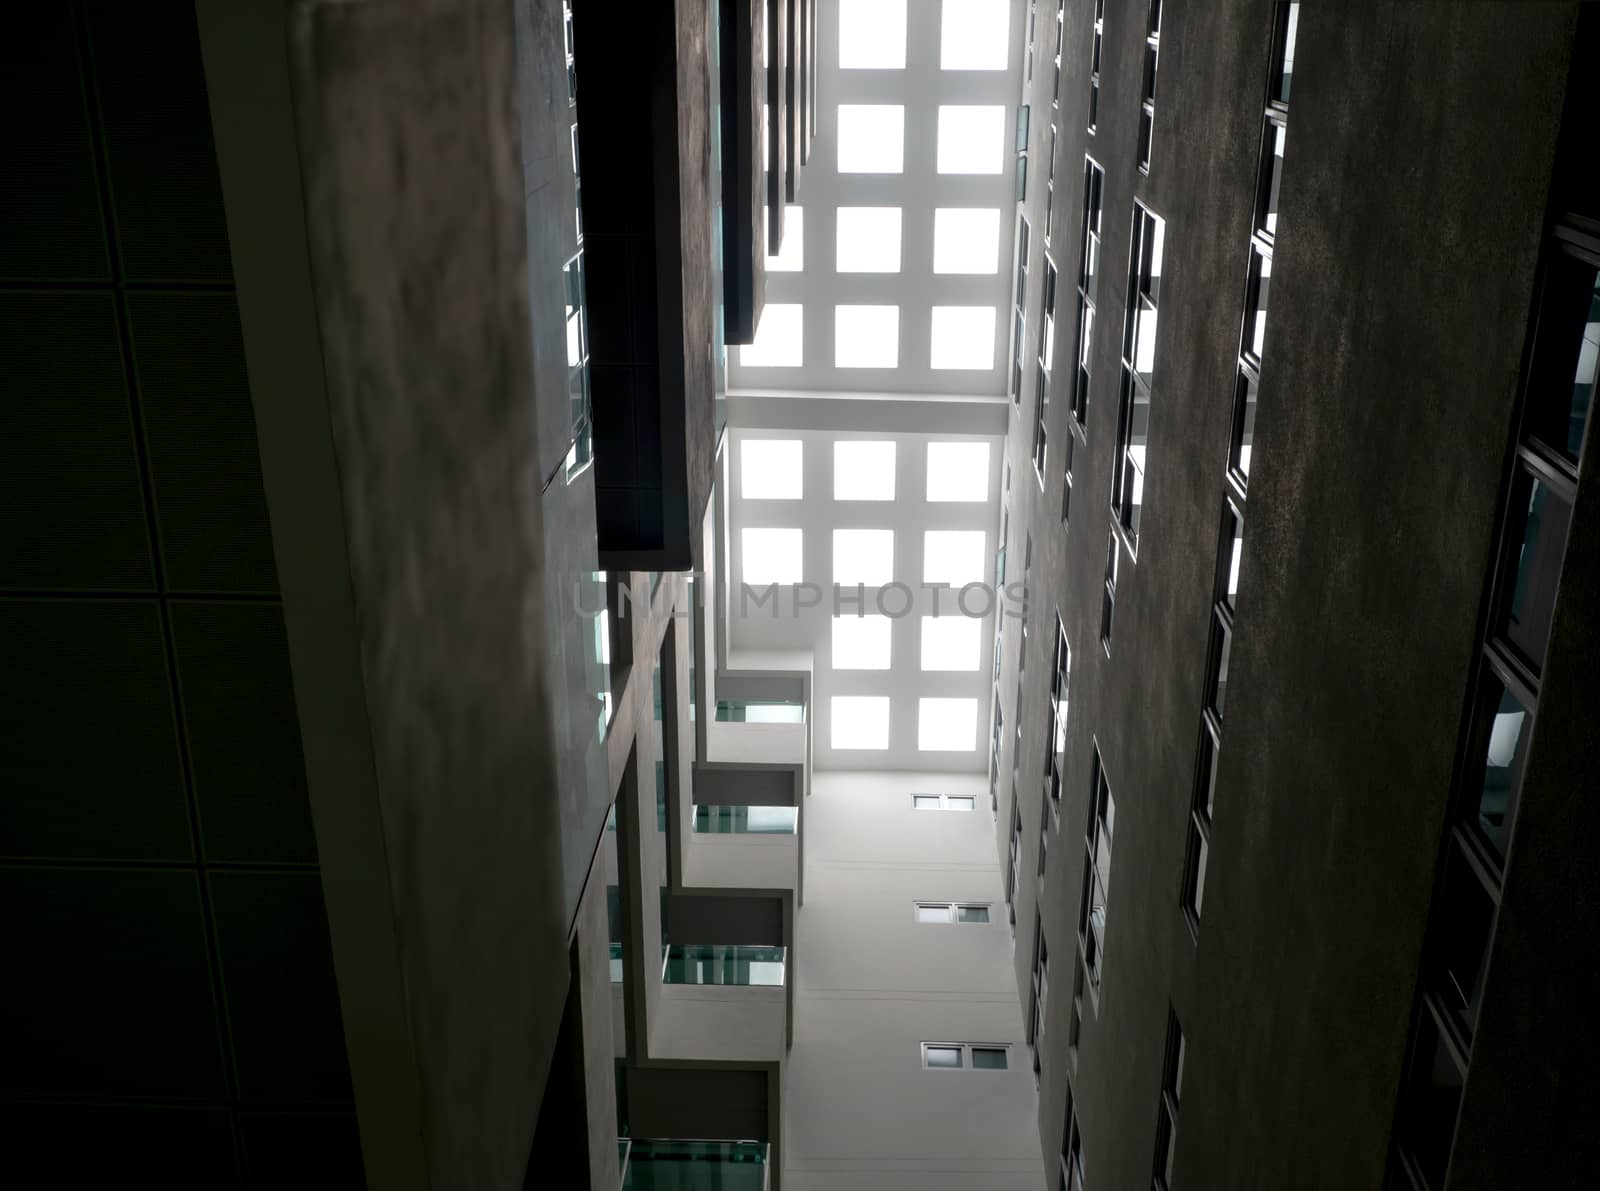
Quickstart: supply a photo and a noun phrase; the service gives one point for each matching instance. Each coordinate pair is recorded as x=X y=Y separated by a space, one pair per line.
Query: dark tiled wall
x=169 y=982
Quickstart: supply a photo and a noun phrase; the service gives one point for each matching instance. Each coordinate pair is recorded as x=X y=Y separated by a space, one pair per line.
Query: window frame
x=965 y=1050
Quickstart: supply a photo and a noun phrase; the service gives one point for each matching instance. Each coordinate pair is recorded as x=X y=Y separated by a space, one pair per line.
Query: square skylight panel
x=777 y=343
x=863 y=470
x=863 y=556
x=972 y=139
x=770 y=469
x=951 y=642
x=866 y=336
x=867 y=240
x=872 y=139
x=872 y=34
x=966 y=240
x=858 y=722
x=791 y=258
x=861 y=642
x=769 y=556
x=953 y=556
x=958 y=471
x=973 y=35
x=947 y=725
x=963 y=338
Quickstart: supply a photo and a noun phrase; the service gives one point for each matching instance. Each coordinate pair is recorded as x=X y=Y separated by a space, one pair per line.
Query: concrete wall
x=861 y=1111
x=1419 y=150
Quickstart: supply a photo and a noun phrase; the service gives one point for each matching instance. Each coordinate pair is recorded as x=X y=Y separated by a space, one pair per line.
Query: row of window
x=1502 y=709
x=961 y=338
x=863 y=469
x=865 y=557
x=968 y=138
x=966 y=240
x=1230 y=537
x=948 y=642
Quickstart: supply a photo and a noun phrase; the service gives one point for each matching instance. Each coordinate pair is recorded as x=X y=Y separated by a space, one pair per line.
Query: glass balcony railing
x=624 y=1148
x=752 y=711
x=616 y=963
x=696 y=1166
x=746 y=820
x=725 y=964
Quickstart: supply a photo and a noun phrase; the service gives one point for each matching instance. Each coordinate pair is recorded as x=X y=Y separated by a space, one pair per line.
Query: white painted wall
x=860 y=1110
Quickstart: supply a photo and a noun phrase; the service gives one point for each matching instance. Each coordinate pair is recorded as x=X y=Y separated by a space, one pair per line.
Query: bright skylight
x=946 y=725
x=860 y=721
x=770 y=556
x=957 y=471
x=863 y=556
x=867 y=336
x=974 y=35
x=965 y=240
x=872 y=34
x=862 y=642
x=769 y=469
x=963 y=337
x=863 y=470
x=792 y=258
x=950 y=642
x=867 y=240
x=777 y=342
x=953 y=556
x=972 y=140
x=872 y=139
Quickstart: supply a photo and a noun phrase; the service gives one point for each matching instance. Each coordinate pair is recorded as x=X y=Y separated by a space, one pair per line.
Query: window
x=769 y=556
x=791 y=258
x=1071 y=1149
x=770 y=469
x=966 y=240
x=1013 y=856
x=947 y=725
x=1096 y=38
x=861 y=642
x=958 y=1056
x=1147 y=106
x=866 y=336
x=1047 y=338
x=859 y=721
x=863 y=471
x=863 y=556
x=958 y=471
x=971 y=139
x=973 y=35
x=1088 y=286
x=959 y=913
x=1018 y=321
x=962 y=337
x=867 y=240
x=951 y=643
x=1567 y=348
x=1040 y=987
x=871 y=138
x=872 y=34
x=1167 y=1112
x=1055 y=759
x=1096 y=874
x=1109 y=602
x=953 y=556
x=778 y=338
x=943 y=802
x=1138 y=367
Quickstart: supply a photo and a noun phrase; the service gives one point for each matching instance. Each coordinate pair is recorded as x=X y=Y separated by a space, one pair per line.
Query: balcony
x=657 y=1165
x=746 y=820
x=724 y=965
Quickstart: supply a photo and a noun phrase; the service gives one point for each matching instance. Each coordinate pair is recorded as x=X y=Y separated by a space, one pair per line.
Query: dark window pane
x=1255 y=317
x=1228 y=560
x=1285 y=67
x=1272 y=178
x=943 y=1056
x=1206 y=773
x=1538 y=531
x=1501 y=741
x=1198 y=854
x=988 y=1058
x=1462 y=920
x=1221 y=647
x=1566 y=355
x=1432 y=1098
x=977 y=914
x=1244 y=423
